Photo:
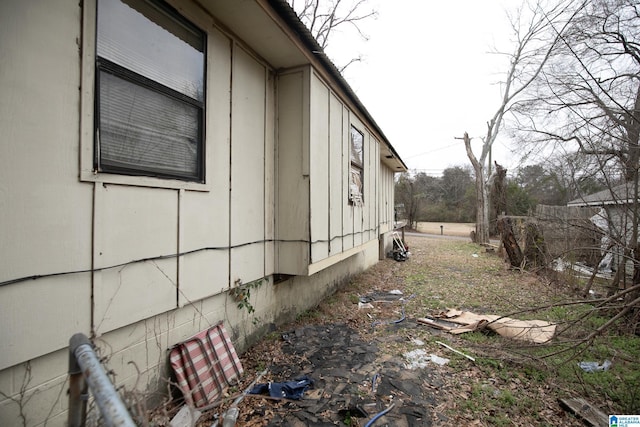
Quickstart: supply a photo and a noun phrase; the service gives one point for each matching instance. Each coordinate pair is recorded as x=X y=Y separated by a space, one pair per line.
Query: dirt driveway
x=446 y=228
x=355 y=347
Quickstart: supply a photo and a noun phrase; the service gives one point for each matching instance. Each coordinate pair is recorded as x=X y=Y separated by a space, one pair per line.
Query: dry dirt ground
x=356 y=356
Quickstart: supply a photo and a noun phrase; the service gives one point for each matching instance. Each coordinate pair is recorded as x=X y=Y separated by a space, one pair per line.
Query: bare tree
x=409 y=196
x=535 y=39
x=324 y=17
x=588 y=98
x=588 y=101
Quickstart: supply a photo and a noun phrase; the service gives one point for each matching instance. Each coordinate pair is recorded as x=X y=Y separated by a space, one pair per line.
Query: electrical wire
x=169 y=256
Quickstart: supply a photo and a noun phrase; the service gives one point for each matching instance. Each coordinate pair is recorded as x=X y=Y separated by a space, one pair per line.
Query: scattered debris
x=439 y=360
x=378 y=415
x=186 y=417
x=416 y=341
x=374 y=382
x=535 y=331
x=396 y=292
x=582 y=409
x=381 y=297
x=582 y=269
x=362 y=305
x=418 y=359
x=456 y=351
x=351 y=379
x=595 y=366
x=390 y=322
x=230 y=416
x=400 y=250
x=284 y=390
x=437 y=324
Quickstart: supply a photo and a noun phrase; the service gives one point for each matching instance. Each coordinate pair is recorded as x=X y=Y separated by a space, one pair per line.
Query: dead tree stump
x=509 y=242
x=534 y=248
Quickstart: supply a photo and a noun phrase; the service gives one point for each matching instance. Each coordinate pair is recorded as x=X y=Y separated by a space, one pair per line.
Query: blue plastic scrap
x=285 y=390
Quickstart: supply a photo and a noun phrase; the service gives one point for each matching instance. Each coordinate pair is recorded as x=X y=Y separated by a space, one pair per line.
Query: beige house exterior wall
x=142 y=263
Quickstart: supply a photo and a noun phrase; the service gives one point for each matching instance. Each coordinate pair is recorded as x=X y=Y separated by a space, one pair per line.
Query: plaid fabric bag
x=205 y=365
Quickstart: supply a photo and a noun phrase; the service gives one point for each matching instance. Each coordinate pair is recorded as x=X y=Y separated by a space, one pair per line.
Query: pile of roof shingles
x=351 y=379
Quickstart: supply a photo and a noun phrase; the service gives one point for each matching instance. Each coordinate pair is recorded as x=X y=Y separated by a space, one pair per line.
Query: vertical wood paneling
x=269 y=173
x=204 y=223
x=204 y=216
x=367 y=220
x=134 y=223
x=36 y=316
x=319 y=169
x=292 y=198
x=137 y=291
x=348 y=212
x=374 y=161
x=337 y=178
x=45 y=222
x=247 y=167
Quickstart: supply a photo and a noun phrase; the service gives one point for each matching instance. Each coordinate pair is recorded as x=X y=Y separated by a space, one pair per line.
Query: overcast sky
x=428 y=76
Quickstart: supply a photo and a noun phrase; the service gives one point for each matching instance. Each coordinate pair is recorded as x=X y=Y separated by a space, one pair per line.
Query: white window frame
x=88 y=171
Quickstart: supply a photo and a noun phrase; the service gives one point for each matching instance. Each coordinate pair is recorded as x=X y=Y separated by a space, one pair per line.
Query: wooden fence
x=567 y=232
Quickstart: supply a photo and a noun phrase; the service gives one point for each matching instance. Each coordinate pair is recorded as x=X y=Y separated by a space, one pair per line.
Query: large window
x=150 y=91
x=356 y=167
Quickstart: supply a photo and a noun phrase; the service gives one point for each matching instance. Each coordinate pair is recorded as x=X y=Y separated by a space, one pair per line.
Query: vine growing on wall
x=242 y=294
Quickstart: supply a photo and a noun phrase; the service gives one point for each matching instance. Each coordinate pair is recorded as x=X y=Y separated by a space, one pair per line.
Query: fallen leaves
x=439 y=274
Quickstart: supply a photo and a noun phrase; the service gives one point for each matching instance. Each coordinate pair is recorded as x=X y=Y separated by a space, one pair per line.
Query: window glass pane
x=356 y=166
x=144 y=130
x=355 y=184
x=356 y=147
x=148 y=41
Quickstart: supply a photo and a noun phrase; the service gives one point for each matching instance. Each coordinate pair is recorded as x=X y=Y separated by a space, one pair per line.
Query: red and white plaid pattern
x=205 y=365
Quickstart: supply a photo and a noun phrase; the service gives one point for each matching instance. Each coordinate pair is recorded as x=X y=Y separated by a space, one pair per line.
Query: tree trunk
x=498 y=198
x=482 y=197
x=480 y=211
x=510 y=243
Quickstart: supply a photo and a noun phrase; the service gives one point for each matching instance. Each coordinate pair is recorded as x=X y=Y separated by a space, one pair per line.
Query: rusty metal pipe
x=84 y=366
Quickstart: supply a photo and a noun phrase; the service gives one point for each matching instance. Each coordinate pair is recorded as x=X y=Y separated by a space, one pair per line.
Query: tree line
x=451 y=197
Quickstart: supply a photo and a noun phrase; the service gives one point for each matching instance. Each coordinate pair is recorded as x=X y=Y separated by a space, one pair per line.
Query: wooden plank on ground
x=587 y=412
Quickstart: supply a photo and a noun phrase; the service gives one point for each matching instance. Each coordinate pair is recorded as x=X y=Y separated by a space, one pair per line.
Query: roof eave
x=288 y=15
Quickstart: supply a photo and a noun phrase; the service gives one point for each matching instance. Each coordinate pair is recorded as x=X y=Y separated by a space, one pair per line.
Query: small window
x=356 y=167
x=150 y=91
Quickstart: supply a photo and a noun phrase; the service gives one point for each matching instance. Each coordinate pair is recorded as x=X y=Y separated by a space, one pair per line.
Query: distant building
x=615 y=220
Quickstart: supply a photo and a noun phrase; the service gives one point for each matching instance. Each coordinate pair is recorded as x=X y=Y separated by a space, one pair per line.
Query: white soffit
x=247 y=20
